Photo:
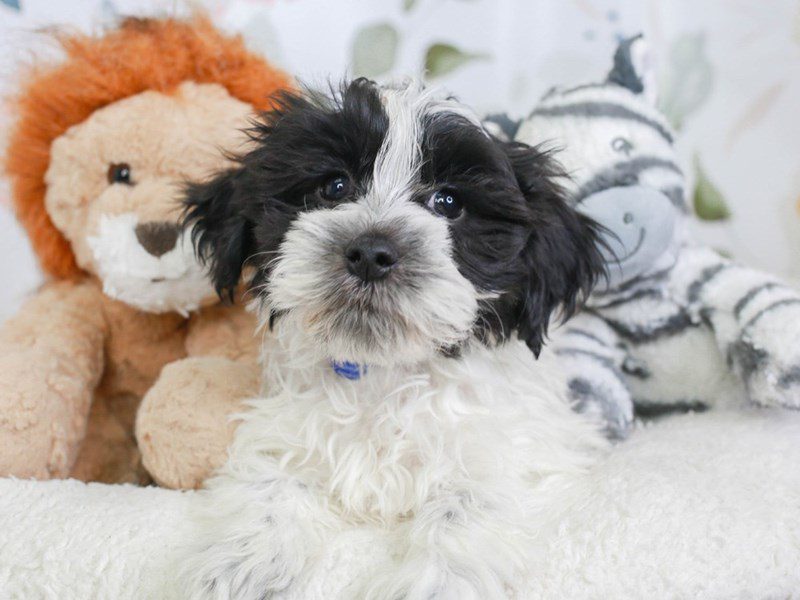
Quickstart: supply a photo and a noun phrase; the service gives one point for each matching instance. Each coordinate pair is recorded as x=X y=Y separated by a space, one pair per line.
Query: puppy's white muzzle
x=423 y=305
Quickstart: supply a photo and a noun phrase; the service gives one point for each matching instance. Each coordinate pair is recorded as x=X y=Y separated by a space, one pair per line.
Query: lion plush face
x=113 y=186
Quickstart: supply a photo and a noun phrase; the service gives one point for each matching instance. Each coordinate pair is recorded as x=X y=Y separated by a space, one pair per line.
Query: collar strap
x=348 y=370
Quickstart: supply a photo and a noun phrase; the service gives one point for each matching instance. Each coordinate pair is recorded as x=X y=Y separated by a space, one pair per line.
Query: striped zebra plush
x=676 y=325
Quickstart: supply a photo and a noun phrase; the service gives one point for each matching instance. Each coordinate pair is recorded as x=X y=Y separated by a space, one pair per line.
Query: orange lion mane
x=139 y=55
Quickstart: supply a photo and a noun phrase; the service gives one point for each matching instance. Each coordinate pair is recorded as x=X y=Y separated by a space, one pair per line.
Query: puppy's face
x=389 y=226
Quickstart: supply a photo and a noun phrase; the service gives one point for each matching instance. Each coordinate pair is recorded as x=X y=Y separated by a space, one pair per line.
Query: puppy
x=408 y=264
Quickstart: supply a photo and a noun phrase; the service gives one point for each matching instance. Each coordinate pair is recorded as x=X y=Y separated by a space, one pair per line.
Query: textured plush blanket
x=697 y=506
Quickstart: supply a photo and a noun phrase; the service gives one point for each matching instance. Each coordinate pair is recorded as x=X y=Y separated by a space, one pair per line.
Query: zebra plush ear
x=501 y=126
x=633 y=68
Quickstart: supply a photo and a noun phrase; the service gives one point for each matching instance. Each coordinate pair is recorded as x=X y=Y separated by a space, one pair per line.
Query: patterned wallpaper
x=728 y=70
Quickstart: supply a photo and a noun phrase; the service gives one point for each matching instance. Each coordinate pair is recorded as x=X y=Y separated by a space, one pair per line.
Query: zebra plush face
x=618 y=150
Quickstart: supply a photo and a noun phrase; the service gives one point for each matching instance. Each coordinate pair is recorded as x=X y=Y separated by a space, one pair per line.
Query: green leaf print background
x=728 y=78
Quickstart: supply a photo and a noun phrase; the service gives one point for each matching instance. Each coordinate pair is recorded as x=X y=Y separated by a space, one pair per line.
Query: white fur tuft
x=174 y=281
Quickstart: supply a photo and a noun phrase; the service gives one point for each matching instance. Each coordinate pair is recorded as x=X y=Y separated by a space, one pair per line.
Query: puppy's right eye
x=336 y=188
x=446 y=204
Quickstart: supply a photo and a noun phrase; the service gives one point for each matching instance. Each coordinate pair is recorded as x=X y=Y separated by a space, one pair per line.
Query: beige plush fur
x=198 y=432
x=75 y=361
x=165 y=140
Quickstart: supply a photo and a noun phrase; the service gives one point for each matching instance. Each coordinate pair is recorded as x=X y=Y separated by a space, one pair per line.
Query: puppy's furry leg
x=257 y=537
x=462 y=545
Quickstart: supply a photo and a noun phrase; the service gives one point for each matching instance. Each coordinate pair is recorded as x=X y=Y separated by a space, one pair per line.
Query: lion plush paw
x=184 y=426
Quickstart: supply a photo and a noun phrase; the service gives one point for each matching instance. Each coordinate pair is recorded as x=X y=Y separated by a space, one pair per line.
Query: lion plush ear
x=633 y=68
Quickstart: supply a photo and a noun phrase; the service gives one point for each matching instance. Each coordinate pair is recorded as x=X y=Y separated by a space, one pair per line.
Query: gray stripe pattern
x=675 y=195
x=749 y=358
x=750 y=295
x=599 y=358
x=585 y=394
x=584 y=86
x=656 y=280
x=693 y=293
x=623 y=174
x=651 y=410
x=602 y=109
x=585 y=334
x=770 y=308
x=638 y=334
x=790 y=378
x=637 y=295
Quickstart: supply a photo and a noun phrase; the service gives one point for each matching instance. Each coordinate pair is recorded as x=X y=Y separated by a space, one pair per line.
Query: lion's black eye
x=445 y=203
x=336 y=188
x=622 y=145
x=119 y=173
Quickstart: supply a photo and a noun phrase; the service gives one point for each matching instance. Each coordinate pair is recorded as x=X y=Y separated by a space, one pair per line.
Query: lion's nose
x=157 y=237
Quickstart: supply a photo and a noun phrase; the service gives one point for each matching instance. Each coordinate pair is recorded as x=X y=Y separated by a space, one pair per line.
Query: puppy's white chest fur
x=379 y=447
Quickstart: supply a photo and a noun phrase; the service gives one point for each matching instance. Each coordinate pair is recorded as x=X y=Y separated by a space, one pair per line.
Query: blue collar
x=348 y=370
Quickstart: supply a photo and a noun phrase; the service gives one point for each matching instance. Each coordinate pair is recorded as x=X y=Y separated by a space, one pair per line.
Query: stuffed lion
x=101 y=147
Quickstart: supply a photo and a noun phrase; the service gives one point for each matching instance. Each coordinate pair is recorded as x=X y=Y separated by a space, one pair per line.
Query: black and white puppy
x=407 y=263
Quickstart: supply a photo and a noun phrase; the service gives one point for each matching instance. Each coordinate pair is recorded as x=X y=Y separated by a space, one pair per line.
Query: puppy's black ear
x=562 y=259
x=221 y=234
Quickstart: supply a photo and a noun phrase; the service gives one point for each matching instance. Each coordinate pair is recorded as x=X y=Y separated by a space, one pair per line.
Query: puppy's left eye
x=336 y=188
x=445 y=203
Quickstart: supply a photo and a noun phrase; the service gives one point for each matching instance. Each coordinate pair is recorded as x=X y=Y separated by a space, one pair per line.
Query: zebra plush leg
x=756 y=321
x=592 y=360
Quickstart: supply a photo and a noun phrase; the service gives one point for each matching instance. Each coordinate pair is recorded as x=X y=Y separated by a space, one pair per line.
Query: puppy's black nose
x=370 y=257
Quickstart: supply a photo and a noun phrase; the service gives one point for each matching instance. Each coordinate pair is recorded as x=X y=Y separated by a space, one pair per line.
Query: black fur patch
x=242 y=214
x=518 y=235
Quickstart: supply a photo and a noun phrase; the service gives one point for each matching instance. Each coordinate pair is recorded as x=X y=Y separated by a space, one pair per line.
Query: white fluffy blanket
x=699 y=506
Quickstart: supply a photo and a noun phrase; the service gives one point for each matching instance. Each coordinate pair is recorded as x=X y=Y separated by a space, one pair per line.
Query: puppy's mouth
x=380 y=322
x=347 y=297
x=363 y=308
